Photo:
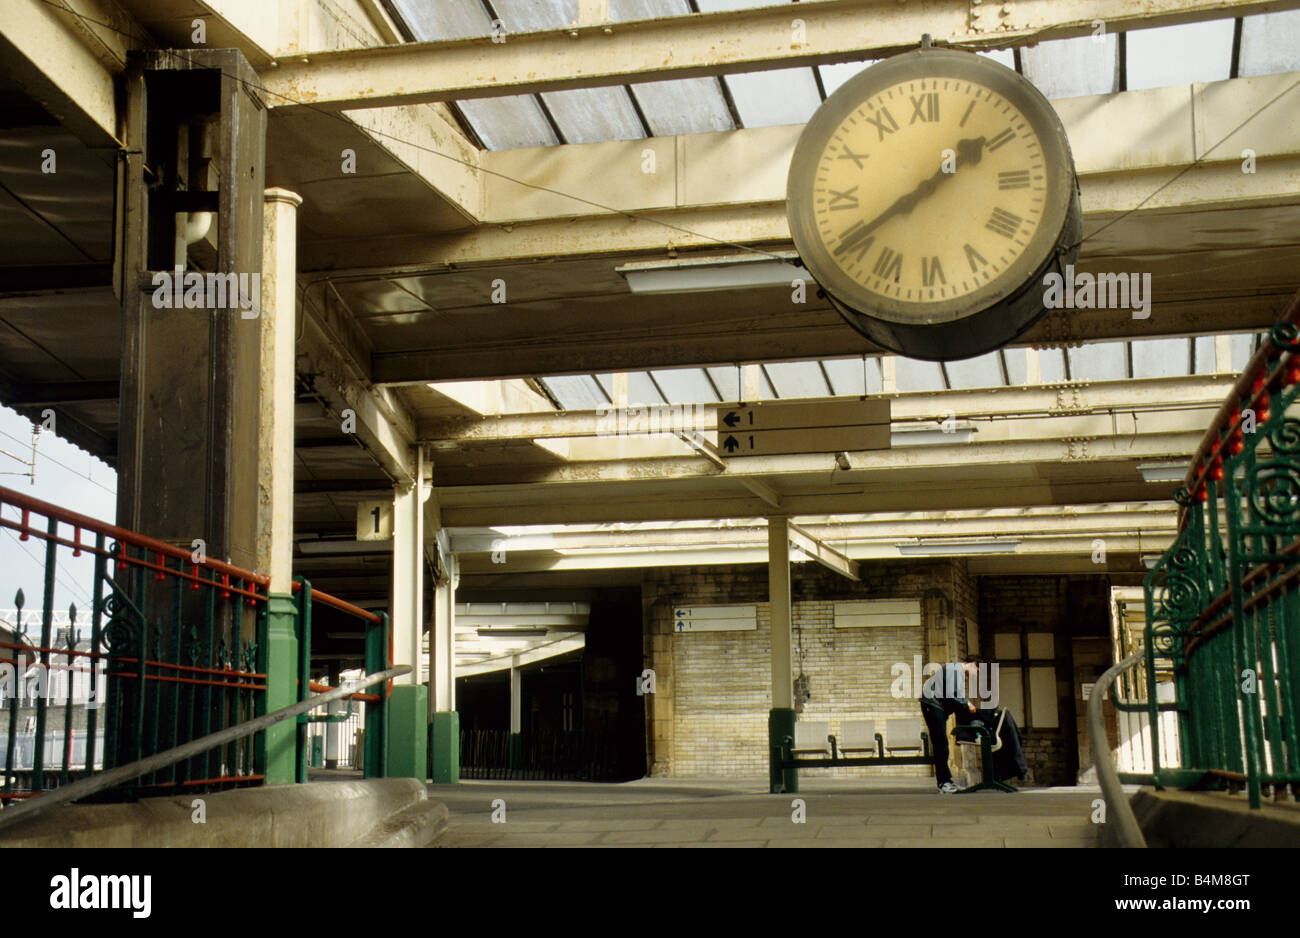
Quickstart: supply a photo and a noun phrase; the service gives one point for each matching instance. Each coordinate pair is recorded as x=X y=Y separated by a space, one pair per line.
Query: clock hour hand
x=969 y=151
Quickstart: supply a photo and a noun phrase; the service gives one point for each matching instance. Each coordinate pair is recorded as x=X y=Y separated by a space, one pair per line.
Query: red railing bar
x=322 y=688
x=341 y=605
x=192 y=680
x=1242 y=396
x=126 y=536
x=121 y=535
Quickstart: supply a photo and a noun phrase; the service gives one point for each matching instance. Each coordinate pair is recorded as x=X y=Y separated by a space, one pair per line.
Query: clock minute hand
x=969 y=151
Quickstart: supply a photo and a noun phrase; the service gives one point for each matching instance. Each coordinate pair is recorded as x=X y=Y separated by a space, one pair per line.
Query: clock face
x=929 y=188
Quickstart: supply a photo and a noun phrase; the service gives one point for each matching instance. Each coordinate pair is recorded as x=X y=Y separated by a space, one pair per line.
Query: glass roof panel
x=1069 y=68
x=623 y=10
x=686 y=386
x=1017 y=365
x=530 y=15
x=1002 y=56
x=509 y=123
x=1270 y=43
x=1051 y=365
x=847 y=375
x=1243 y=346
x=1178 y=55
x=911 y=374
x=780 y=96
x=684 y=106
x=1160 y=358
x=1204 y=354
x=590 y=115
x=727 y=378
x=445 y=19
x=835 y=75
x=983 y=371
x=1102 y=361
x=641 y=390
x=576 y=392
x=797 y=379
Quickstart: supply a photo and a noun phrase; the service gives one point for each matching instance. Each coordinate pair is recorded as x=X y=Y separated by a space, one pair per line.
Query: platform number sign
x=375 y=521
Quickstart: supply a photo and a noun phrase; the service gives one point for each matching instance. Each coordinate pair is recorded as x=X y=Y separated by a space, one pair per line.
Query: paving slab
x=741 y=813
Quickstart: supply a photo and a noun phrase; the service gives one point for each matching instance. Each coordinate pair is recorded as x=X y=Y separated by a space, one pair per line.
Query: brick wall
x=709 y=714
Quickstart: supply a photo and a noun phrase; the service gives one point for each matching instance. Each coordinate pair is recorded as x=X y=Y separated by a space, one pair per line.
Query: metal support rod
x=126 y=773
x=1130 y=834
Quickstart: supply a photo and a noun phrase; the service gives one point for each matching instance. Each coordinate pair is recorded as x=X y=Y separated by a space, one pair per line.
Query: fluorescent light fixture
x=1150 y=560
x=920 y=434
x=706 y=274
x=1164 y=471
x=948 y=548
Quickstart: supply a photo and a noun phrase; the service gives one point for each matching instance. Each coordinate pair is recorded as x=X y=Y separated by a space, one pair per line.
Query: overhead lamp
x=1164 y=471
x=949 y=548
x=1150 y=560
x=707 y=274
x=511 y=632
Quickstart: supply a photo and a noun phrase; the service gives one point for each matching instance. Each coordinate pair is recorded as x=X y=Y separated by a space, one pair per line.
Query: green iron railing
x=175 y=651
x=378 y=654
x=1223 y=602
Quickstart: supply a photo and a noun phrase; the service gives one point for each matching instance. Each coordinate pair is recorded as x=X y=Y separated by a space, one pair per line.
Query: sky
x=65 y=476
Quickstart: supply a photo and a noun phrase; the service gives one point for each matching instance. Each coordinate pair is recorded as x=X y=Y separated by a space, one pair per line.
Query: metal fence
x=561 y=756
x=175 y=649
x=1222 y=637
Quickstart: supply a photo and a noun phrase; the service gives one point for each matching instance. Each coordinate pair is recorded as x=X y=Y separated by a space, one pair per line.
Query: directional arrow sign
x=783 y=427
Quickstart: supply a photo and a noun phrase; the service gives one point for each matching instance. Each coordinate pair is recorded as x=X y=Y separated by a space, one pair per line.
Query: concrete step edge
x=416 y=825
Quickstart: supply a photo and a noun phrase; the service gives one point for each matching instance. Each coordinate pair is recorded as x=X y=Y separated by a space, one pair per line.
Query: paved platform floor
x=658 y=812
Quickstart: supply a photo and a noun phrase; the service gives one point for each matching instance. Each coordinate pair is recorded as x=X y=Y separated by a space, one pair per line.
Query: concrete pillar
x=273 y=540
x=782 y=717
x=191 y=425
x=408 y=738
x=407 y=607
x=445 y=722
x=442 y=649
x=516 y=711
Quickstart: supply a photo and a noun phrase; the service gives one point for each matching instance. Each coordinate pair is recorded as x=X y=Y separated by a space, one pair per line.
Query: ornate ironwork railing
x=1222 y=636
x=174 y=648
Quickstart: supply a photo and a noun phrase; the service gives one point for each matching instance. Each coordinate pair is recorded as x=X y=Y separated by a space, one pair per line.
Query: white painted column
x=442 y=650
x=407 y=608
x=275 y=404
x=778 y=586
x=516 y=697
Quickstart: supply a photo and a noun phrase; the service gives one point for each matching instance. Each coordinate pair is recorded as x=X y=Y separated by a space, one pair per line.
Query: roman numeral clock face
x=926 y=194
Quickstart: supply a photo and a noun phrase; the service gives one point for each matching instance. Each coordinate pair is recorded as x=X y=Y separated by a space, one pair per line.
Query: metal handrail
x=1130 y=834
x=126 y=773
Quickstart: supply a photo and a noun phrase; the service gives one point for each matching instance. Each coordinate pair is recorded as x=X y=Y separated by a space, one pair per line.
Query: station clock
x=929 y=196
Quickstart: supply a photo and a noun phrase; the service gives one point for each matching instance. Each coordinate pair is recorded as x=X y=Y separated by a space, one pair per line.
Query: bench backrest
x=811 y=735
x=903 y=733
x=858 y=734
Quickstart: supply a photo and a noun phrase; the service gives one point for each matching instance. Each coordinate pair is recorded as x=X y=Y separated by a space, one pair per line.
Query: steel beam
x=66 y=55
x=592 y=56
x=1067 y=399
